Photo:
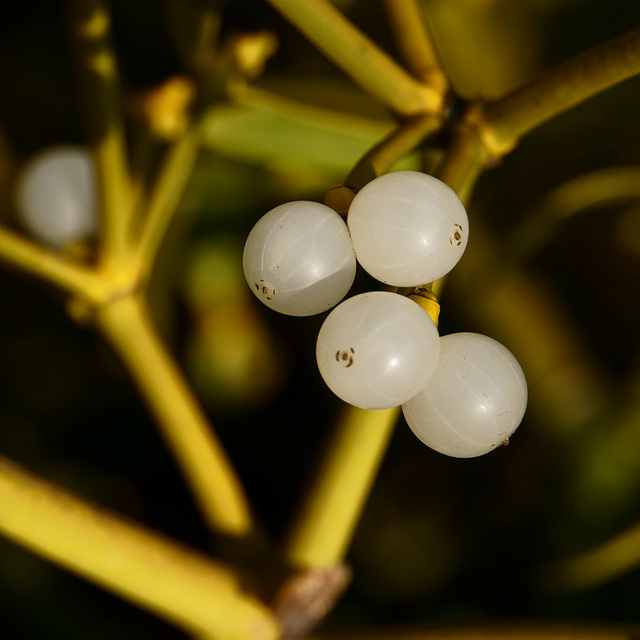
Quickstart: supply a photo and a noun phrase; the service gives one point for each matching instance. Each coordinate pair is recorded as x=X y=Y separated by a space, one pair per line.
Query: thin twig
x=299 y=111
x=407 y=137
x=414 y=42
x=37 y=261
x=615 y=186
x=165 y=197
x=505 y=121
x=90 y=27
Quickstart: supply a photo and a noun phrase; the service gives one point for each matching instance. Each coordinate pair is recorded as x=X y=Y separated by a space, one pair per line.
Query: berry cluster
x=463 y=394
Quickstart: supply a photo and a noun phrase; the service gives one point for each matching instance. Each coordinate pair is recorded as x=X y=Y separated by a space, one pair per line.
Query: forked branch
x=359 y=57
x=216 y=487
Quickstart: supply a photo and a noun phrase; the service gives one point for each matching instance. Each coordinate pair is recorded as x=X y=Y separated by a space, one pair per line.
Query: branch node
x=306 y=598
x=476 y=121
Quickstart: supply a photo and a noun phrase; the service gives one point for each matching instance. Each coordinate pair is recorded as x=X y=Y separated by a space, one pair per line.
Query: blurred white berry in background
x=56 y=196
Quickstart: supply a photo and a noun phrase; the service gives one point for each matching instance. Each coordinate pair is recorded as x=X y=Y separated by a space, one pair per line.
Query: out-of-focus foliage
x=442 y=539
x=234 y=359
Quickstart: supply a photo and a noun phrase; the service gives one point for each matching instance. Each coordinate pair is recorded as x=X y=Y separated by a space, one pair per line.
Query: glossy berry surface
x=298 y=258
x=56 y=196
x=376 y=350
x=408 y=228
x=474 y=401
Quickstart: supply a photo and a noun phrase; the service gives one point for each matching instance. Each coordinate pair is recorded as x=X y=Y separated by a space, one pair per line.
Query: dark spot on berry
x=345 y=357
x=456 y=235
x=267 y=291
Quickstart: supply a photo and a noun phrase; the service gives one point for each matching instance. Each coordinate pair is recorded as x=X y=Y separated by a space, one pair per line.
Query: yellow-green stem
x=414 y=42
x=195 y=27
x=559 y=89
x=463 y=163
x=359 y=57
x=43 y=263
x=98 y=74
x=409 y=135
x=165 y=197
x=177 y=584
x=300 y=111
x=216 y=487
x=401 y=141
x=324 y=527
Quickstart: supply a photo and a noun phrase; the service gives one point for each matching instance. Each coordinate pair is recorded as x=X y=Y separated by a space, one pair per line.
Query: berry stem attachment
x=425 y=298
x=359 y=57
x=126 y=325
x=324 y=527
x=98 y=75
x=463 y=163
x=153 y=572
x=379 y=159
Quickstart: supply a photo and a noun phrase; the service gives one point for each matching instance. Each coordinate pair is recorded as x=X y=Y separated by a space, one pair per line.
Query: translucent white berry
x=474 y=401
x=408 y=228
x=56 y=195
x=378 y=349
x=298 y=258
